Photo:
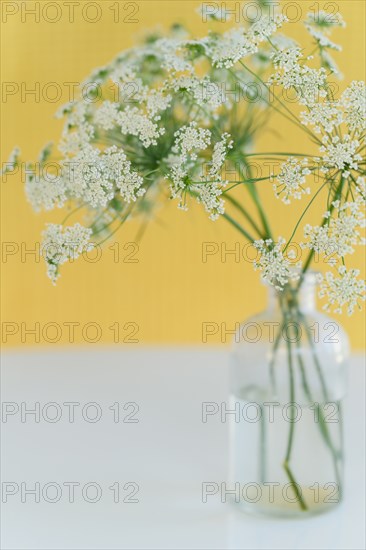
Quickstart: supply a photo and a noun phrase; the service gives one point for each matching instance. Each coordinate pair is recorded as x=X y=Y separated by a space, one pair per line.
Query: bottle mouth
x=302 y=292
x=309 y=279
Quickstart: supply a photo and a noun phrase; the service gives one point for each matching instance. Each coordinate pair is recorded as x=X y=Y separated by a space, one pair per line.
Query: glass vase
x=288 y=380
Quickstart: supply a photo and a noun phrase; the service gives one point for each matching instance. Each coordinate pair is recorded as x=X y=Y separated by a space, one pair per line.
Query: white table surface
x=168 y=453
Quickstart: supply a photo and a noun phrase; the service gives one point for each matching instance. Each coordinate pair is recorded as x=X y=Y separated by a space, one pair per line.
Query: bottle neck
x=304 y=298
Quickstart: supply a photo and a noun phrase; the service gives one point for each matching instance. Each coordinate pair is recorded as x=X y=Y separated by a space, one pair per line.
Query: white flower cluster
x=360 y=189
x=190 y=141
x=210 y=191
x=62 y=244
x=237 y=43
x=133 y=122
x=342 y=290
x=309 y=83
x=291 y=180
x=209 y=194
x=45 y=193
x=204 y=91
x=183 y=110
x=325 y=20
x=106 y=115
x=323 y=116
x=340 y=154
x=91 y=175
x=172 y=54
x=338 y=236
x=265 y=27
x=322 y=39
x=219 y=156
x=95 y=176
x=228 y=49
x=340 y=151
x=78 y=131
x=353 y=100
x=320 y=24
x=277 y=268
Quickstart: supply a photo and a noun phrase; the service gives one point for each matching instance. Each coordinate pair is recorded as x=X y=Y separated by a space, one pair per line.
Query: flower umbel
x=291 y=180
x=344 y=290
x=277 y=269
x=62 y=244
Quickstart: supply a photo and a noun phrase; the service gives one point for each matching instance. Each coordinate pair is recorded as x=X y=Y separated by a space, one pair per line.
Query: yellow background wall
x=170 y=291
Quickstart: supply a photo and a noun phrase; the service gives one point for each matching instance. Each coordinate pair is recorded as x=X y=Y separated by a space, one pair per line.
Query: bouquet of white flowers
x=174 y=115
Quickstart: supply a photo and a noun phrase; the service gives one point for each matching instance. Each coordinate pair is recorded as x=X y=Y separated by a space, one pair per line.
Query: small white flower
x=204 y=91
x=353 y=100
x=276 y=268
x=171 y=52
x=129 y=85
x=340 y=154
x=361 y=189
x=62 y=244
x=185 y=167
x=265 y=27
x=287 y=59
x=178 y=176
x=308 y=83
x=134 y=122
x=322 y=39
x=312 y=85
x=87 y=178
x=209 y=194
x=106 y=115
x=345 y=290
x=45 y=193
x=220 y=152
x=156 y=103
x=78 y=131
x=227 y=49
x=291 y=180
x=95 y=176
x=340 y=234
x=323 y=116
x=191 y=138
x=324 y=20
x=118 y=170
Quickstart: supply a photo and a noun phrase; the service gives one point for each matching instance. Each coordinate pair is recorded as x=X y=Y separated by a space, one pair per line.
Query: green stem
x=123 y=219
x=281 y=155
x=294 y=118
x=303 y=214
x=255 y=196
x=286 y=463
x=262 y=443
x=247 y=181
x=273 y=359
x=337 y=194
x=237 y=226
x=245 y=213
x=71 y=213
x=322 y=422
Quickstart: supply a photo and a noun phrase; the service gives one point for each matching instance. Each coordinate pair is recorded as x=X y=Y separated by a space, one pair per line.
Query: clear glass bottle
x=288 y=380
